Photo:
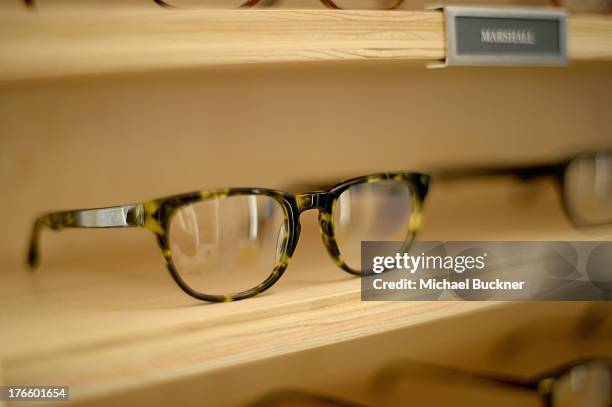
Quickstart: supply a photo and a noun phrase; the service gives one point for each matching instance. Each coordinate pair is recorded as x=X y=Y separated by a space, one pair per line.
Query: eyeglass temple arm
x=397 y=369
x=162 y=3
x=524 y=173
x=112 y=217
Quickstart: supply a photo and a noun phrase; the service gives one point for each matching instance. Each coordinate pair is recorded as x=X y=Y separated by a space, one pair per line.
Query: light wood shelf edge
x=64 y=44
x=590 y=38
x=69 y=43
x=233 y=334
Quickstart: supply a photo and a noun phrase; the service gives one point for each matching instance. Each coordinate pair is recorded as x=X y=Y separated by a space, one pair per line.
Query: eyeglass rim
x=158 y=214
x=562 y=171
x=251 y=3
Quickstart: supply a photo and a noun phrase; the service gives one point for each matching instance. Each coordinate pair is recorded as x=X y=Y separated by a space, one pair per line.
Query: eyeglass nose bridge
x=312 y=200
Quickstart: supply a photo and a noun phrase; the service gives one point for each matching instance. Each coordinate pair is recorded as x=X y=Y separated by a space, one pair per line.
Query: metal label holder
x=504 y=36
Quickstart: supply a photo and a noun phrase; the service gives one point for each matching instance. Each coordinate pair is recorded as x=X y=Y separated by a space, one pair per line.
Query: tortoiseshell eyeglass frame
x=556 y=170
x=156 y=215
x=392 y=4
x=543 y=384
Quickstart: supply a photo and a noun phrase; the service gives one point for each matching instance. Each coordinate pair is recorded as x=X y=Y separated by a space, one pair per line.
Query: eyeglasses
x=581 y=384
x=577 y=384
x=233 y=4
x=584 y=180
x=228 y=244
x=301 y=398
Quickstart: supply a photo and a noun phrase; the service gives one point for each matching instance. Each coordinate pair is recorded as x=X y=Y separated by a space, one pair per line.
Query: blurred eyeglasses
x=586 y=383
x=301 y=398
x=234 y=4
x=590 y=6
x=584 y=180
x=585 y=6
x=581 y=384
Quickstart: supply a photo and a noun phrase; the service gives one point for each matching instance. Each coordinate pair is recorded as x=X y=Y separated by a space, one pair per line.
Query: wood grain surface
x=107 y=326
x=77 y=42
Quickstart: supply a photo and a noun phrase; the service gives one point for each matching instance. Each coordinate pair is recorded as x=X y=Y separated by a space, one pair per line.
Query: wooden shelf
x=133 y=328
x=110 y=326
x=66 y=43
